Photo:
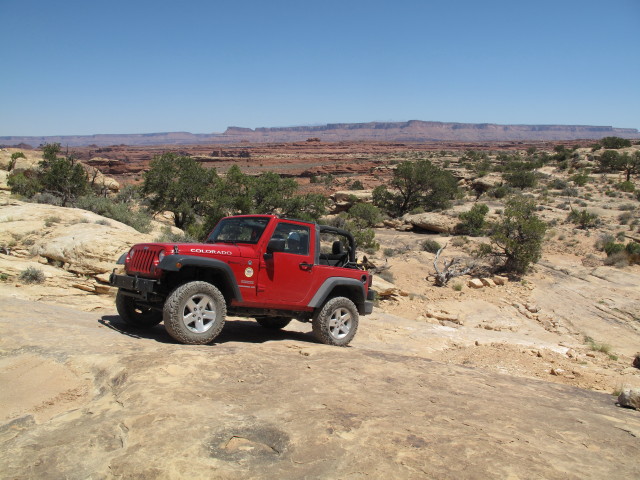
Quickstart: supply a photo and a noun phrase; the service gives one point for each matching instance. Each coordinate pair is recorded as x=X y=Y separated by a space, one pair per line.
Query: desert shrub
x=619 y=259
x=25 y=184
x=51 y=221
x=167 y=236
x=459 y=241
x=430 y=246
x=365 y=214
x=498 y=192
x=633 y=248
x=62 y=176
x=583 y=218
x=365 y=238
x=612 y=248
x=521 y=179
x=472 y=222
x=416 y=184
x=356 y=185
x=633 y=252
x=31 y=275
x=518 y=236
x=389 y=252
x=615 y=142
x=48 y=198
x=580 y=179
x=570 y=192
x=14 y=157
x=625 y=217
x=603 y=240
x=119 y=212
x=557 y=184
x=626 y=186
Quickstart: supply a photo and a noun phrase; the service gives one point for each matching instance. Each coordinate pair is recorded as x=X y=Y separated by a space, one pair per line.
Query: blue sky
x=86 y=67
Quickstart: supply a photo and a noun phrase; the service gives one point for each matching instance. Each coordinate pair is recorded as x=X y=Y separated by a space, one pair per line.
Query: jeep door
x=287 y=274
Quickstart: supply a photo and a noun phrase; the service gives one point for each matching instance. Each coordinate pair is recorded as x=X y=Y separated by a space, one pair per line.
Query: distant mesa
x=411 y=131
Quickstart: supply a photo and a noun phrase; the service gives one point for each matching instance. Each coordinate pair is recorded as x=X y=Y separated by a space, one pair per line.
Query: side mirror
x=274 y=245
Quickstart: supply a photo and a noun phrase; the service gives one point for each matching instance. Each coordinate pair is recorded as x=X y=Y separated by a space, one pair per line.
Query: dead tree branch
x=451 y=269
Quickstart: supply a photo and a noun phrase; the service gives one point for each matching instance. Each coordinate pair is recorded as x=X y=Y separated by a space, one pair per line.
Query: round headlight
x=161 y=256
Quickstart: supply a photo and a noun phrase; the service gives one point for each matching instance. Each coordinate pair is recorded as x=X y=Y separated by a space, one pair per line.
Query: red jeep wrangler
x=262 y=266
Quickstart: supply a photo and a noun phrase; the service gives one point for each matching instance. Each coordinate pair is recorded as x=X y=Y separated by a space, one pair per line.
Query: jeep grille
x=142 y=260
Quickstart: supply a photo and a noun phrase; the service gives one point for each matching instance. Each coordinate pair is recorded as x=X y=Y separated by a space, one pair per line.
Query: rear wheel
x=194 y=313
x=273 y=323
x=134 y=314
x=337 y=322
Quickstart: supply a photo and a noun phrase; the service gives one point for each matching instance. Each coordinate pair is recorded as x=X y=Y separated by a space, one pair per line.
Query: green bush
x=356 y=185
x=633 y=248
x=518 y=236
x=119 y=212
x=472 y=222
x=498 y=192
x=626 y=186
x=615 y=142
x=583 y=218
x=416 y=184
x=25 y=184
x=521 y=179
x=611 y=248
x=365 y=214
x=580 y=179
x=431 y=246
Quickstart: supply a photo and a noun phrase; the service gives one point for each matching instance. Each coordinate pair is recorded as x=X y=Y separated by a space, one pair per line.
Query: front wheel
x=194 y=313
x=136 y=315
x=337 y=322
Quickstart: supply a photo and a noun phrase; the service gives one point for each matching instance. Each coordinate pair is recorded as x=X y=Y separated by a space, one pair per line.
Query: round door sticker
x=248 y=272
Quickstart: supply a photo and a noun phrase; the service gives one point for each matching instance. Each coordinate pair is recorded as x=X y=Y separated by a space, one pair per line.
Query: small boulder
x=630 y=398
x=498 y=280
x=487 y=282
x=475 y=283
x=431 y=221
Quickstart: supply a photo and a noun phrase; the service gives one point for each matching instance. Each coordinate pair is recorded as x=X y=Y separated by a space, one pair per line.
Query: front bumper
x=135 y=286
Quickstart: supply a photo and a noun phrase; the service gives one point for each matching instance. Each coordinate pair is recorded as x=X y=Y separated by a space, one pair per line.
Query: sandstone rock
x=475 y=283
x=532 y=307
x=557 y=371
x=487 y=282
x=431 y=221
x=630 y=398
x=102 y=289
x=444 y=316
x=498 y=280
x=347 y=196
x=636 y=361
x=67 y=236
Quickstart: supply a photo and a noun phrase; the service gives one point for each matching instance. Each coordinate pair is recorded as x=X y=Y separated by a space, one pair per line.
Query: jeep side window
x=296 y=238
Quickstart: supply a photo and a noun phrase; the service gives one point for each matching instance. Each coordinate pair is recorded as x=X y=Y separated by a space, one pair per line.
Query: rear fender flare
x=330 y=284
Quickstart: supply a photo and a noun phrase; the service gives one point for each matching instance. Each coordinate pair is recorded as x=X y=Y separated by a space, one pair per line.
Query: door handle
x=306 y=266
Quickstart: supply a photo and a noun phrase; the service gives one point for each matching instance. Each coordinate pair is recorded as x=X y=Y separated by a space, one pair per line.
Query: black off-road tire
x=136 y=315
x=194 y=313
x=273 y=323
x=336 y=322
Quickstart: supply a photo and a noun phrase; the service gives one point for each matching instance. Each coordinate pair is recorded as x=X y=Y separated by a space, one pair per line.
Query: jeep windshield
x=238 y=230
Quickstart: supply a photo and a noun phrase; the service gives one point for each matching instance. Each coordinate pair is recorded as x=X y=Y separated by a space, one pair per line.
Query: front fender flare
x=173 y=263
